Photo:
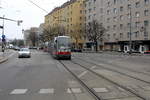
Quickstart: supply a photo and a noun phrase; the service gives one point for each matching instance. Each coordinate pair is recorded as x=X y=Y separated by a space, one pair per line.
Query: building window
x=128 y=35
x=80 y=11
x=85 y=11
x=145 y=34
x=80 y=18
x=115 y=19
x=129 y=6
x=108 y=3
x=137 y=14
x=121 y=35
x=129 y=16
x=146 y=23
x=121 y=17
x=114 y=35
x=89 y=17
x=114 y=27
x=89 y=3
x=146 y=2
x=101 y=10
x=137 y=4
x=108 y=27
x=90 y=10
x=137 y=24
x=121 y=26
x=108 y=36
x=136 y=34
x=108 y=20
x=121 y=8
x=146 y=12
x=94 y=8
x=115 y=1
x=108 y=12
x=128 y=25
x=115 y=10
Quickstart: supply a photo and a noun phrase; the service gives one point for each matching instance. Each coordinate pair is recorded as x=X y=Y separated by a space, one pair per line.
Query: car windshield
x=24 y=49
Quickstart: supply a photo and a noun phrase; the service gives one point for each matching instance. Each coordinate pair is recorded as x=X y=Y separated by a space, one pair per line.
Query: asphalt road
x=43 y=78
x=38 y=78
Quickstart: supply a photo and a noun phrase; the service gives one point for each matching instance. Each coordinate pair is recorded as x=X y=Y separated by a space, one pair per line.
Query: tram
x=60 y=48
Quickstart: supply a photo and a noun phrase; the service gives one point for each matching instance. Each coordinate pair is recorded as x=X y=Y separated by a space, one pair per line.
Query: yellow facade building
x=70 y=16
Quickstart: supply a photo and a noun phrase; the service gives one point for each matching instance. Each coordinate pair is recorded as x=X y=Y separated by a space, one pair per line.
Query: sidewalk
x=3 y=57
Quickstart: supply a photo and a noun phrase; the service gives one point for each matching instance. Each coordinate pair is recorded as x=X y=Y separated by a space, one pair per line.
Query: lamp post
x=130 y=41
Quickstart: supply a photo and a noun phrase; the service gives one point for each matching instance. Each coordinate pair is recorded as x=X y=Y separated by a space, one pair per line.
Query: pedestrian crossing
x=50 y=91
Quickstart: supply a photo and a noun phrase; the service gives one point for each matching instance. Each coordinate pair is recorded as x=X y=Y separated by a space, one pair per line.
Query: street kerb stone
x=2 y=60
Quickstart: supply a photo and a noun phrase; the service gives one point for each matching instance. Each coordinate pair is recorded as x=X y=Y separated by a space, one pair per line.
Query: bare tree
x=95 y=32
x=33 y=37
x=50 y=32
x=77 y=34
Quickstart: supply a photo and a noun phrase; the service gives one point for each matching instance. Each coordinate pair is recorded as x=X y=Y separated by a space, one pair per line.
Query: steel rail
x=111 y=81
x=90 y=90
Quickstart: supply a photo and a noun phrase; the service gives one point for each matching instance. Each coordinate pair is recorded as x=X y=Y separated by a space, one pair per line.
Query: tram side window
x=55 y=44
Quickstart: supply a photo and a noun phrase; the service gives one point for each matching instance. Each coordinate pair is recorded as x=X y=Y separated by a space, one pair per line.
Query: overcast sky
x=31 y=15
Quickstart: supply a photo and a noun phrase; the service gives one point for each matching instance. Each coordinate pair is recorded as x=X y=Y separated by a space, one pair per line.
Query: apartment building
x=120 y=17
x=93 y=11
x=71 y=16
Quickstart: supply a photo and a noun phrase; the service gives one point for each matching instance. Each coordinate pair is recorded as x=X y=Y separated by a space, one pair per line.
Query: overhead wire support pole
x=130 y=41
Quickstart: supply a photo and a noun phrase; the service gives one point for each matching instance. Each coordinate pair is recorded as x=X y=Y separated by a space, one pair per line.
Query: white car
x=24 y=52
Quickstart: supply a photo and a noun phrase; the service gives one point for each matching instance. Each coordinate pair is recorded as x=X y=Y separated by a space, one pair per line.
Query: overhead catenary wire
x=40 y=7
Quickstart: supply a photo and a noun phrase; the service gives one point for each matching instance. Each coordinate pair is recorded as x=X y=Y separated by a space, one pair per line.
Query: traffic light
x=19 y=22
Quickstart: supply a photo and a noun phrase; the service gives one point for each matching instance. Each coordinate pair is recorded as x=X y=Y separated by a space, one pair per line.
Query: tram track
x=124 y=68
x=114 y=70
x=113 y=82
x=90 y=90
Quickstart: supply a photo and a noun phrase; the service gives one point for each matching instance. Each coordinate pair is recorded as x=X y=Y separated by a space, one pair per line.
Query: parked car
x=16 y=48
x=24 y=52
x=76 y=50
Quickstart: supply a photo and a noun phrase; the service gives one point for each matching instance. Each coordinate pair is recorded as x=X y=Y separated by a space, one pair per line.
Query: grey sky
x=24 y=10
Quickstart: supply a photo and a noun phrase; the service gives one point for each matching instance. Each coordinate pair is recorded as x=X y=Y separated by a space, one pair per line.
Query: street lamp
x=3 y=36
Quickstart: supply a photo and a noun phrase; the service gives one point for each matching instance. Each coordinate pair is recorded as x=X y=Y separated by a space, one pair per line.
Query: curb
x=3 y=60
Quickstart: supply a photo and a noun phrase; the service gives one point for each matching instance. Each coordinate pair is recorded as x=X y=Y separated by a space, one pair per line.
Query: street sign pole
x=3 y=42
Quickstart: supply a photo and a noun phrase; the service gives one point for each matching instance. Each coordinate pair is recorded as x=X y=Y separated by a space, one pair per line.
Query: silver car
x=24 y=52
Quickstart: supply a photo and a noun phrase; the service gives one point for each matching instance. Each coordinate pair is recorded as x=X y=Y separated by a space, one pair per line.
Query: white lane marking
x=101 y=64
x=19 y=91
x=74 y=90
x=146 y=88
x=85 y=72
x=46 y=91
x=100 y=90
x=13 y=53
x=69 y=90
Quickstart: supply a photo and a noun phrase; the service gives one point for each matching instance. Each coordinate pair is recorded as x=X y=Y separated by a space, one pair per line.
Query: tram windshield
x=63 y=42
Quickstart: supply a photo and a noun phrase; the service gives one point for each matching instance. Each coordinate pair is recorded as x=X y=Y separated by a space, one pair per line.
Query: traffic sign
x=1 y=27
x=3 y=36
